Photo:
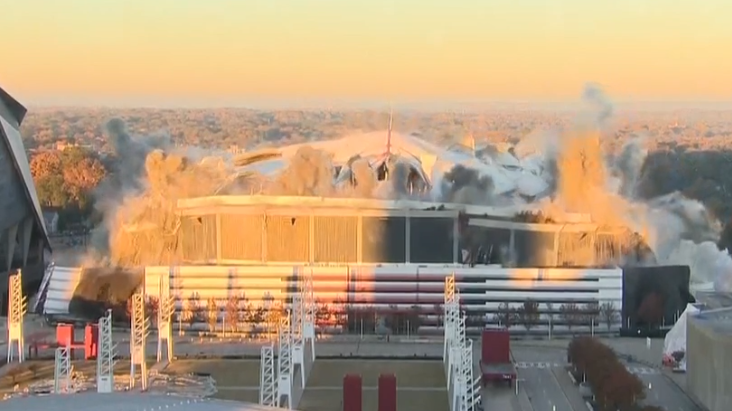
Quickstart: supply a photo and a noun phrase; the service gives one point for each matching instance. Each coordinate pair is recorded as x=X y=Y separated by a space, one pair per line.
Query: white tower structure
x=62 y=370
x=166 y=308
x=105 y=359
x=138 y=332
x=284 y=361
x=311 y=309
x=297 y=328
x=267 y=388
x=17 y=308
x=458 y=353
x=448 y=319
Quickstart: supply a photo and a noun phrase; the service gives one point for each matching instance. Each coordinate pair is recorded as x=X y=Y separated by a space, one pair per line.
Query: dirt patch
x=239 y=380
x=35 y=371
x=420 y=384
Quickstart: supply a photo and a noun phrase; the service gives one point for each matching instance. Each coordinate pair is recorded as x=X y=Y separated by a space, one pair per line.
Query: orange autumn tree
x=66 y=179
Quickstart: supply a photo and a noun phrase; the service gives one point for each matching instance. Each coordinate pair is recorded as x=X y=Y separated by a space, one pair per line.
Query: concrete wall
x=709 y=363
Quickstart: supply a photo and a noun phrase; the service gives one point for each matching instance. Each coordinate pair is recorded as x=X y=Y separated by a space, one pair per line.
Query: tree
x=82 y=178
x=440 y=313
x=569 y=312
x=650 y=312
x=233 y=312
x=212 y=314
x=591 y=313
x=613 y=385
x=322 y=313
x=152 y=305
x=256 y=317
x=550 y=315
x=272 y=318
x=609 y=314
x=528 y=314
x=191 y=310
x=65 y=179
x=51 y=191
x=505 y=316
x=44 y=164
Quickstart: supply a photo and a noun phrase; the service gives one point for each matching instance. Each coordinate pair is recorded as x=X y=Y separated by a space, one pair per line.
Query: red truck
x=495 y=361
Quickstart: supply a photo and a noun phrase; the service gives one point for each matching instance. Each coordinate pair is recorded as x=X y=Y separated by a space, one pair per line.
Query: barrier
x=384 y=287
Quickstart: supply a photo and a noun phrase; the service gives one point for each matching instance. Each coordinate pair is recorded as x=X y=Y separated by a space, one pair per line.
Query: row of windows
x=325 y=239
x=367 y=239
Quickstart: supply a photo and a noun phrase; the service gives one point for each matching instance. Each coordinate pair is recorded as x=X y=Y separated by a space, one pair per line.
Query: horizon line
x=349 y=104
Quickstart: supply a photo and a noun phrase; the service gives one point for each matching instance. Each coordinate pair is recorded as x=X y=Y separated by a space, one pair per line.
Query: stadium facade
x=311 y=230
x=373 y=255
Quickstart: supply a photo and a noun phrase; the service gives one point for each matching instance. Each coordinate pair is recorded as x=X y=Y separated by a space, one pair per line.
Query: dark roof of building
x=11 y=134
x=17 y=110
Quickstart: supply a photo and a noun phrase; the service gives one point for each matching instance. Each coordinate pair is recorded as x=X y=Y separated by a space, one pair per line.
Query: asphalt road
x=545 y=393
x=666 y=394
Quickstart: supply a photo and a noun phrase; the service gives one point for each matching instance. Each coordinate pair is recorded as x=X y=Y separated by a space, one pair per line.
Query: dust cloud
x=150 y=175
x=138 y=200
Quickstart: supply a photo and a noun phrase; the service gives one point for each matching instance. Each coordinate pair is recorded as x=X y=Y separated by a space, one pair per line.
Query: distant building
x=62 y=145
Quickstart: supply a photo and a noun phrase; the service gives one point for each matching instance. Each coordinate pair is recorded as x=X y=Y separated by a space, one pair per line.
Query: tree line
x=238 y=315
x=65 y=181
x=614 y=388
x=569 y=314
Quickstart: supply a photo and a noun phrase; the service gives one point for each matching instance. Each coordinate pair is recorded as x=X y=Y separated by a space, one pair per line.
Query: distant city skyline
x=314 y=53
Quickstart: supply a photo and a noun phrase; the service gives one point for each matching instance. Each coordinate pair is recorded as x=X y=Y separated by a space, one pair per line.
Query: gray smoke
x=628 y=167
x=599 y=103
x=466 y=186
x=680 y=230
x=129 y=155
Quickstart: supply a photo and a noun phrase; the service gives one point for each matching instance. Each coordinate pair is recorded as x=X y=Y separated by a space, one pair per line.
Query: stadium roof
x=11 y=116
x=120 y=401
x=509 y=174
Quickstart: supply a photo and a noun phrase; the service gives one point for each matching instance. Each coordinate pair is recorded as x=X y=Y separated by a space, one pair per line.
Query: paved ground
x=541 y=364
x=538 y=362
x=536 y=377
x=543 y=390
x=662 y=392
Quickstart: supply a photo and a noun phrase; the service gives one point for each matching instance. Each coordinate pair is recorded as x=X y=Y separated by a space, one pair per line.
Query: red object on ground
x=65 y=335
x=352 y=392
x=496 y=363
x=91 y=341
x=387 y=392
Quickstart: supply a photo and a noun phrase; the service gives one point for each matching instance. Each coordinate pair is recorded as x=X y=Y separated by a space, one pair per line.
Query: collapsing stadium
x=375 y=255
x=356 y=204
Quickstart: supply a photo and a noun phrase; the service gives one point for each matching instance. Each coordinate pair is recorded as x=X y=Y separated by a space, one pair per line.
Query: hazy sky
x=231 y=51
